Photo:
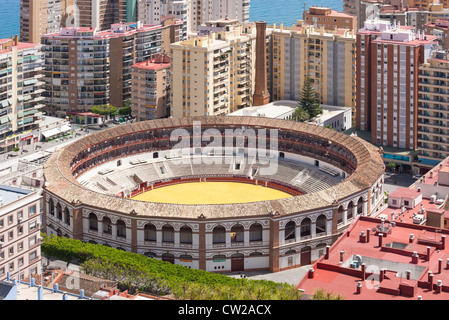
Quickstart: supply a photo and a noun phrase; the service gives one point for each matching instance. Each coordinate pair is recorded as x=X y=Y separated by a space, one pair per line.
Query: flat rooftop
x=394 y=255
x=9 y=194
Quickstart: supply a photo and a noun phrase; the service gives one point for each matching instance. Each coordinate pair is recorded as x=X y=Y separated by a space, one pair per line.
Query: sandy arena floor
x=211 y=193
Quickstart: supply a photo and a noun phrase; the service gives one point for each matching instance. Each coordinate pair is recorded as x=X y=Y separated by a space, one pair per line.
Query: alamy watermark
x=210 y=147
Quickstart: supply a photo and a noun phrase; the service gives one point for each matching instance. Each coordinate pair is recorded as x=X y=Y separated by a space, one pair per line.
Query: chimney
x=382 y=274
x=342 y=253
x=428 y=254
x=443 y=242
x=261 y=96
x=410 y=240
x=430 y=281
x=415 y=257
x=367 y=234
x=311 y=273
x=380 y=236
x=362 y=237
x=326 y=256
x=408 y=274
x=439 y=286
x=359 y=287
x=363 y=271
x=440 y=265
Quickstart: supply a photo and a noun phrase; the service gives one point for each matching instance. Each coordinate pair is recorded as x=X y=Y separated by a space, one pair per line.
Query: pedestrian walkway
x=291 y=276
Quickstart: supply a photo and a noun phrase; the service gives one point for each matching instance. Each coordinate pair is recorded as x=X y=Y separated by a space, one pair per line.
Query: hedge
x=137 y=272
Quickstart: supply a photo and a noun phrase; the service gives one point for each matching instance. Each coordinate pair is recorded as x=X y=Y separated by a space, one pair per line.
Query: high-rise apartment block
x=150 y=88
x=387 y=88
x=327 y=57
x=193 y=12
x=433 y=110
x=20 y=226
x=213 y=74
x=100 y=14
x=329 y=19
x=85 y=67
x=20 y=90
x=38 y=17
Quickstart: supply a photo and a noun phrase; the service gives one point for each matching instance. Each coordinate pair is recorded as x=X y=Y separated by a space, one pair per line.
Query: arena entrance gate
x=306 y=256
x=237 y=262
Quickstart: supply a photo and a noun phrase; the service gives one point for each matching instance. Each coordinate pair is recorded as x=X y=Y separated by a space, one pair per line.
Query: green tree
x=309 y=100
x=104 y=110
x=300 y=114
x=126 y=109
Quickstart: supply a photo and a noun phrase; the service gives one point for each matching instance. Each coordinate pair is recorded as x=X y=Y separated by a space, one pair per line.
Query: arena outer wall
x=275 y=235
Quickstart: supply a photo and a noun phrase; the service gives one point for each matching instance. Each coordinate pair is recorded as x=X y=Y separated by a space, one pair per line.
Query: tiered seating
x=128 y=177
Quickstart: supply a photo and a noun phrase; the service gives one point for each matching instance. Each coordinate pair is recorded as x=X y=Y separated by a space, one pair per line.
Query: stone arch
x=321 y=225
x=306 y=227
x=107 y=225
x=149 y=231
x=290 y=231
x=93 y=222
x=185 y=235
x=121 y=228
x=237 y=233
x=168 y=233
x=255 y=232
x=219 y=235
x=67 y=216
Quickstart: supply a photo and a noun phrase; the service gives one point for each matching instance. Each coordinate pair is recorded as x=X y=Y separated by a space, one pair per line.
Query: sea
x=271 y=11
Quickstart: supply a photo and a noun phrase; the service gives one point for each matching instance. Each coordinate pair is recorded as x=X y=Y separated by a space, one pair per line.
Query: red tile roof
x=338 y=278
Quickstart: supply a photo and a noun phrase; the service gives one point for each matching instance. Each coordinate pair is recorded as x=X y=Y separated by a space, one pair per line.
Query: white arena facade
x=330 y=179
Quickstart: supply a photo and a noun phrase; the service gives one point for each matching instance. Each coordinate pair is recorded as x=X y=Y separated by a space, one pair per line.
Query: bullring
x=332 y=178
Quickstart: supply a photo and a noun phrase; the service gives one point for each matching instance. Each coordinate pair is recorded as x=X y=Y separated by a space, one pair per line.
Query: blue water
x=286 y=11
x=9 y=18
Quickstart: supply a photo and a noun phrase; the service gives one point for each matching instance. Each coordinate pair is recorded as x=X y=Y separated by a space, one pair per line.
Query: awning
x=51 y=133
x=29 y=82
x=65 y=128
x=4 y=119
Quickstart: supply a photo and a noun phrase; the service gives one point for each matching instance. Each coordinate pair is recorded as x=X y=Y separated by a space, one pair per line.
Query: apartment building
x=327 y=57
x=193 y=12
x=101 y=14
x=20 y=226
x=20 y=91
x=85 y=67
x=387 y=72
x=329 y=19
x=213 y=74
x=439 y=28
x=433 y=108
x=150 y=88
x=38 y=17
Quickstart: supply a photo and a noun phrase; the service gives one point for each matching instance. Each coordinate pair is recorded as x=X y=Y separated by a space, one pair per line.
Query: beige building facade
x=150 y=88
x=38 y=17
x=327 y=57
x=213 y=74
x=20 y=224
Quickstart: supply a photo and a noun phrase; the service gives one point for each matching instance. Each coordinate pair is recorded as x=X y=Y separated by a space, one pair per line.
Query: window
x=11 y=235
x=33 y=255
x=32 y=225
x=9 y=219
x=32 y=210
x=1 y=223
x=32 y=241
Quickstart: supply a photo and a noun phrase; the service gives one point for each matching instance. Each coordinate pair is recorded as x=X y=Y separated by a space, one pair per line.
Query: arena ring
x=331 y=179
